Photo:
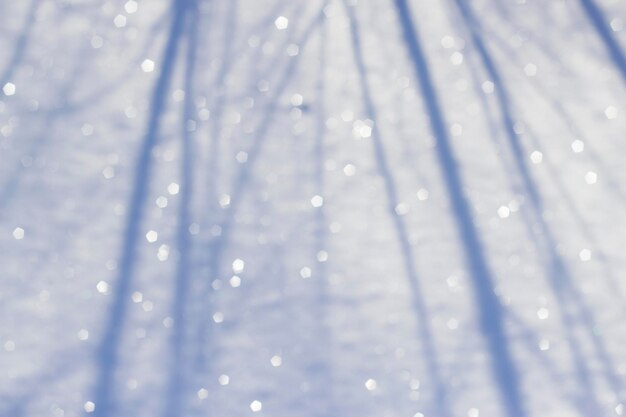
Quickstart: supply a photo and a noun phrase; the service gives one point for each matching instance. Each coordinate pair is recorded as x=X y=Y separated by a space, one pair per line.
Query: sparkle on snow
x=349 y=207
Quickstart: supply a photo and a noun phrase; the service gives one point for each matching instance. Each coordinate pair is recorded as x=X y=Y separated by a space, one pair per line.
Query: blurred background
x=313 y=208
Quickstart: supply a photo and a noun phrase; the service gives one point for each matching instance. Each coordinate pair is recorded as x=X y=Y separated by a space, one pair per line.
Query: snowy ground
x=385 y=208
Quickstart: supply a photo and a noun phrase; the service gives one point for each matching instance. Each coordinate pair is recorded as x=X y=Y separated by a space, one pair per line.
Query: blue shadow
x=441 y=406
x=491 y=316
x=108 y=351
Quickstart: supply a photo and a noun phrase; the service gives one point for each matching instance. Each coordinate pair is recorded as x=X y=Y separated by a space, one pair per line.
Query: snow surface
x=320 y=208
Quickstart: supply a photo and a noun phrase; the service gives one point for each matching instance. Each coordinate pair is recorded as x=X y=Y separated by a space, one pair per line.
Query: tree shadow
x=107 y=358
x=100 y=92
x=51 y=116
x=324 y=379
x=63 y=105
x=491 y=314
x=425 y=333
x=17 y=405
x=527 y=335
x=530 y=338
x=605 y=171
x=568 y=122
x=179 y=368
x=216 y=247
x=217 y=108
x=571 y=301
x=539 y=40
x=21 y=44
x=596 y=17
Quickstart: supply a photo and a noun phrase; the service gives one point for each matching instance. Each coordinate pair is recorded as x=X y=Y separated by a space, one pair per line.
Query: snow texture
x=312 y=208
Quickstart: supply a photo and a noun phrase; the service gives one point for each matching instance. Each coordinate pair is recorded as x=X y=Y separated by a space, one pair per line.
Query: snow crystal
x=281 y=22
x=131 y=6
x=235 y=281
x=89 y=407
x=591 y=177
x=218 y=317
x=224 y=379
x=203 y=393
x=578 y=146
x=543 y=313
x=102 y=287
x=422 y=194
x=147 y=65
x=173 y=188
x=317 y=201
x=536 y=157
x=276 y=361
x=152 y=236
x=305 y=272
x=18 y=233
x=349 y=170
x=9 y=89
x=473 y=412
x=530 y=69
x=256 y=406
x=610 y=112
x=119 y=21
x=585 y=255
x=456 y=58
x=238 y=266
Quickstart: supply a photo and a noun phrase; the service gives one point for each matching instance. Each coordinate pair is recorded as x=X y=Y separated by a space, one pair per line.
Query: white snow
x=312 y=208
